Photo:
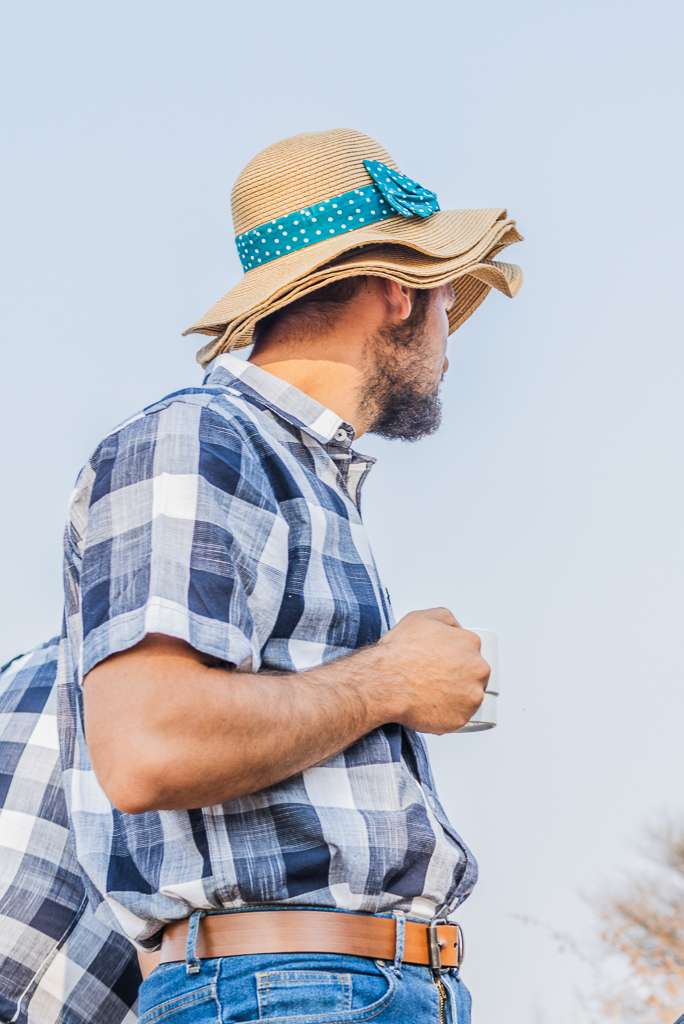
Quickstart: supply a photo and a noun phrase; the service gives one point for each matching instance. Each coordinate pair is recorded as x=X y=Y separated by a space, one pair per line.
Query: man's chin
x=409 y=424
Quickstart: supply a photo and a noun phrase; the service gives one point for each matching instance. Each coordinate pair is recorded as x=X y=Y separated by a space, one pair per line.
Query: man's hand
x=167 y=730
x=439 y=668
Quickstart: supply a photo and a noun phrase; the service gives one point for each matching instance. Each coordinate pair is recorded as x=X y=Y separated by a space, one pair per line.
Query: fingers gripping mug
x=485 y=716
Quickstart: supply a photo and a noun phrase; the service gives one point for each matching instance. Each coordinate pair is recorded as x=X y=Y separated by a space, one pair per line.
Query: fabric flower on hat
x=403 y=194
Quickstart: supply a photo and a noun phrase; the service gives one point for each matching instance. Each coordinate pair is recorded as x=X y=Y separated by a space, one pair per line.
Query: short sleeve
x=177 y=525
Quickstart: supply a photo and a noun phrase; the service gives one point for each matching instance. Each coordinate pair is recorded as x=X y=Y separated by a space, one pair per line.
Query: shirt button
x=341 y=435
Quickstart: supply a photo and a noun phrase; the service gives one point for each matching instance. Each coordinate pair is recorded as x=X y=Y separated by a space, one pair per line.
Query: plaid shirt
x=228 y=516
x=58 y=963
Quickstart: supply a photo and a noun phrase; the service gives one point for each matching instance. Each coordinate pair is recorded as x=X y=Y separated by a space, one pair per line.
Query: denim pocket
x=355 y=991
x=160 y=1001
x=283 y=994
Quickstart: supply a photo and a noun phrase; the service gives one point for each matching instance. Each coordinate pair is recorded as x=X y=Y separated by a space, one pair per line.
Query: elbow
x=131 y=784
x=133 y=799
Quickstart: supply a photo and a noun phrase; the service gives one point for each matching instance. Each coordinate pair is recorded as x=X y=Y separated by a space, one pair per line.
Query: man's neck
x=330 y=369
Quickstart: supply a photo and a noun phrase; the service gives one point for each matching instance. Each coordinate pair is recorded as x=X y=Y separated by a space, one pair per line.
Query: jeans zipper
x=442 y=999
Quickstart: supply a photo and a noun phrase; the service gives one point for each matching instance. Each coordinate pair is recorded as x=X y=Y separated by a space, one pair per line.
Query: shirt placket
x=352 y=467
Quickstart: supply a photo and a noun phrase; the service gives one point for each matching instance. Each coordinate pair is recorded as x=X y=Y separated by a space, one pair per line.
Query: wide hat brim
x=456 y=246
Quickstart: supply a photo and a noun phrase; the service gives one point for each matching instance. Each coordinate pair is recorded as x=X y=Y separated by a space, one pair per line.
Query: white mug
x=485 y=716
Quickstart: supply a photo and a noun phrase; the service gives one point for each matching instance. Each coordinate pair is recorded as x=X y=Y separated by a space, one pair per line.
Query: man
x=245 y=780
x=58 y=963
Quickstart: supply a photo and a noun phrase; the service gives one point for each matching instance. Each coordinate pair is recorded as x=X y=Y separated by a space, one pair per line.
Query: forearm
x=167 y=731
x=217 y=734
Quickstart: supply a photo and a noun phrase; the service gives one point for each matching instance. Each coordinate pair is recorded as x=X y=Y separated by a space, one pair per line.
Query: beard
x=400 y=394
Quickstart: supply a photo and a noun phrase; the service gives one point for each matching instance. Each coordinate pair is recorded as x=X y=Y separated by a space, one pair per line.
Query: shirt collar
x=284 y=399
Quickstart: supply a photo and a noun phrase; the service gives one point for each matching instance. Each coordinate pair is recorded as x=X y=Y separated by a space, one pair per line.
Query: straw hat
x=297 y=182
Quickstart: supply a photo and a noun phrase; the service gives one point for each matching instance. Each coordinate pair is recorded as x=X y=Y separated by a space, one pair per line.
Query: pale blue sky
x=548 y=508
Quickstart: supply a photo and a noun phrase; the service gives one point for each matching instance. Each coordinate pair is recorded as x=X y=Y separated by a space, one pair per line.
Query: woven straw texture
x=455 y=246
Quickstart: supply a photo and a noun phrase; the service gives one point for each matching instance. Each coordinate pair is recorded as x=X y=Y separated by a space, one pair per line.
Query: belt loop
x=400 y=935
x=192 y=964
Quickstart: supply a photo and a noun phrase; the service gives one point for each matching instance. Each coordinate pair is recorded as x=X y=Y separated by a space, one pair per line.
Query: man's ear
x=398 y=298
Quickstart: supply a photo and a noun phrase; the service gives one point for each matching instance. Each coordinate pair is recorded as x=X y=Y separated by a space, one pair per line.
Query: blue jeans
x=302 y=988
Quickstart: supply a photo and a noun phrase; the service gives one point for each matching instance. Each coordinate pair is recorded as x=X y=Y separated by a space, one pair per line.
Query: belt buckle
x=435 y=945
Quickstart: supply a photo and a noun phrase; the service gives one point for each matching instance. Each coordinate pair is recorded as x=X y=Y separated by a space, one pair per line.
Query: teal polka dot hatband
x=391 y=193
x=323 y=205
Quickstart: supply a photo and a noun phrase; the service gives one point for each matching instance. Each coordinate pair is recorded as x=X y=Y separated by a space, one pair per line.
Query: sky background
x=548 y=508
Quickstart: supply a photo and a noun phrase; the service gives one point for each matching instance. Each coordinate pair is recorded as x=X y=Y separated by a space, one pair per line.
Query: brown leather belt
x=241 y=933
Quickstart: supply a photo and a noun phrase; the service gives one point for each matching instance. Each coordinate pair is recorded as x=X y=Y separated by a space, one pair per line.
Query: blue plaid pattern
x=58 y=963
x=228 y=516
